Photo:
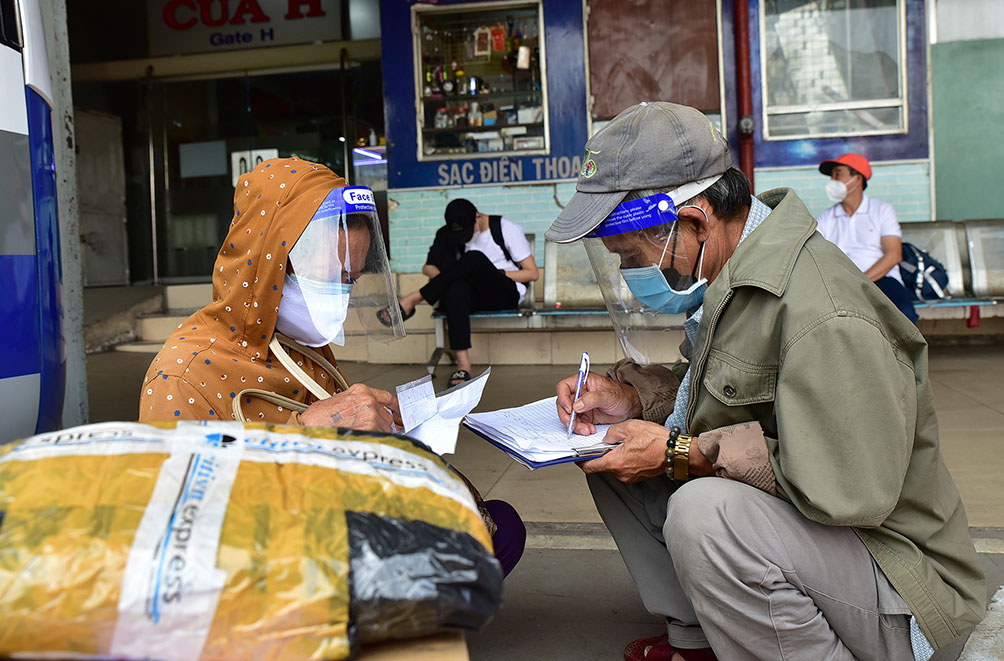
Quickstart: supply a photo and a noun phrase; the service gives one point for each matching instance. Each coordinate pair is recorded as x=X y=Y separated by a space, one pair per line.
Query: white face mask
x=320 y=323
x=836 y=190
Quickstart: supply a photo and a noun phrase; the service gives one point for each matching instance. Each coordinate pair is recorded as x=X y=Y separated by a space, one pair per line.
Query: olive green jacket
x=794 y=336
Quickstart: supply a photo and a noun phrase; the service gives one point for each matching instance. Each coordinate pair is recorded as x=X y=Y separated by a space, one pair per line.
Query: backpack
x=924 y=276
x=495 y=226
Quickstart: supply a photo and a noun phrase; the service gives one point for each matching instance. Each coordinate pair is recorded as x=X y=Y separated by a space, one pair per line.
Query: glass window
x=479 y=81
x=208 y=132
x=833 y=67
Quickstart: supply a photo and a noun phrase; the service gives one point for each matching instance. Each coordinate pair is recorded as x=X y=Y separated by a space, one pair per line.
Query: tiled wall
x=906 y=186
x=416 y=215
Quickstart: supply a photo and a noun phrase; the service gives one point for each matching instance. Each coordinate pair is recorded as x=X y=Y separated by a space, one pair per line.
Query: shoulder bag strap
x=276 y=346
x=495 y=226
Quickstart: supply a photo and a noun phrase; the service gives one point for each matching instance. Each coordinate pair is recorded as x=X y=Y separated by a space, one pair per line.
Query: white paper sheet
x=440 y=431
x=417 y=400
x=535 y=430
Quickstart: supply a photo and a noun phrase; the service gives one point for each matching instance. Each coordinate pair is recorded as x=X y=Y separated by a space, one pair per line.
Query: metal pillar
x=744 y=89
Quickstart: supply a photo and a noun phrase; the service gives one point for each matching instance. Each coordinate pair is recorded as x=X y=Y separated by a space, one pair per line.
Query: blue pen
x=583 y=373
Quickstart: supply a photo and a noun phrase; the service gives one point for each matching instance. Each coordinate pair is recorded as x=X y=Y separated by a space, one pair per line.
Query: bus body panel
x=36 y=62
x=32 y=347
x=50 y=275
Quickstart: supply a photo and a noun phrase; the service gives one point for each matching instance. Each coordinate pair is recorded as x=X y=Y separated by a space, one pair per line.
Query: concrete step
x=187 y=297
x=112 y=314
x=140 y=347
x=157 y=327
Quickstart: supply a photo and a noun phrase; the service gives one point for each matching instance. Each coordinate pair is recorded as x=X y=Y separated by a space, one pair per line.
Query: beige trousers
x=732 y=567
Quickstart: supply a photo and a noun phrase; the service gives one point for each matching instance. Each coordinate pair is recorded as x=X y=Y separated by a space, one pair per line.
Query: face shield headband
x=635 y=215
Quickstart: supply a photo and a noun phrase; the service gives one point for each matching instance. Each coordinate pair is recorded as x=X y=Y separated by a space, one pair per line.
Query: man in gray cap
x=829 y=527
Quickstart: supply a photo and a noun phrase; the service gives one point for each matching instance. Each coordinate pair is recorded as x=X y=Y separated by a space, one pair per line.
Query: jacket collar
x=767 y=256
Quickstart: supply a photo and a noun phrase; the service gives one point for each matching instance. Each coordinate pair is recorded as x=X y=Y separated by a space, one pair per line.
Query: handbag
x=924 y=276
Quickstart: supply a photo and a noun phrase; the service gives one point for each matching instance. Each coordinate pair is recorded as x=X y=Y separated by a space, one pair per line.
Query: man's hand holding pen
x=601 y=401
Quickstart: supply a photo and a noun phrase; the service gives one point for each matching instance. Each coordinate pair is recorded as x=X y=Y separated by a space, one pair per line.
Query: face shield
x=340 y=274
x=649 y=273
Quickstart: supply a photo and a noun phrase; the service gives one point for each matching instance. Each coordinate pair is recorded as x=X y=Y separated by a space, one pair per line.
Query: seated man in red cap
x=866 y=229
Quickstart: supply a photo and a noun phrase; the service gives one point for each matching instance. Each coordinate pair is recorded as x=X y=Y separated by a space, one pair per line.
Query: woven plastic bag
x=220 y=541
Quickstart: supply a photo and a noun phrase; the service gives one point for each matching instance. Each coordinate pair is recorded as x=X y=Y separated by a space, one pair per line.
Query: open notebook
x=533 y=435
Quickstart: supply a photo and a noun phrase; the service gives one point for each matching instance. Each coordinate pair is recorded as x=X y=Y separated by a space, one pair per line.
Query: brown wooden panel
x=652 y=50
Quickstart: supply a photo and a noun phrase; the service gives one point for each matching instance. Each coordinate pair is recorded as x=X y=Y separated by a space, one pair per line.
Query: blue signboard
x=565 y=64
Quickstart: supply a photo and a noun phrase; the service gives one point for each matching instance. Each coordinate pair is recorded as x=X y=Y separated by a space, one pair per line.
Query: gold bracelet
x=681 y=458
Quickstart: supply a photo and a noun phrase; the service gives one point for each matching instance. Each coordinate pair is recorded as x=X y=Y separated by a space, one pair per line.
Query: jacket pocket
x=735 y=382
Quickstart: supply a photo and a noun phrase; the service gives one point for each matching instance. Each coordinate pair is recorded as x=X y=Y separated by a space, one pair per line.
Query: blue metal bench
x=970 y=252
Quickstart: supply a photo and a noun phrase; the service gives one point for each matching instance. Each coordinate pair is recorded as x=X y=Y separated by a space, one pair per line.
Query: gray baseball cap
x=652 y=145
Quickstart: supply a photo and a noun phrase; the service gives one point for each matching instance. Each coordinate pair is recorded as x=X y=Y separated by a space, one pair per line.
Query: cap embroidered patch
x=589 y=165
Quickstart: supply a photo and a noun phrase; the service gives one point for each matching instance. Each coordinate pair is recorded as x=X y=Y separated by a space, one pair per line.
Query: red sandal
x=657 y=648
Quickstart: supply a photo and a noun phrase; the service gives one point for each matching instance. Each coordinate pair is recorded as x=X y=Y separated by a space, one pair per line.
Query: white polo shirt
x=515 y=241
x=860 y=235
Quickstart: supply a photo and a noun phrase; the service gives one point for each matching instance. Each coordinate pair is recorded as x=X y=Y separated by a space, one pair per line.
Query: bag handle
x=268 y=396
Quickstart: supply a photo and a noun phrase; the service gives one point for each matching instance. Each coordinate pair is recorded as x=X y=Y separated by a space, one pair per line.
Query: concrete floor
x=571 y=597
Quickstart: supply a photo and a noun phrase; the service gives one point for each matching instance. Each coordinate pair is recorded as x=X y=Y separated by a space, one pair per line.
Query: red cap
x=853 y=161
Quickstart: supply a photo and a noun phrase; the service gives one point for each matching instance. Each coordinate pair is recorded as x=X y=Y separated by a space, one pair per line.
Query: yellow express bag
x=219 y=540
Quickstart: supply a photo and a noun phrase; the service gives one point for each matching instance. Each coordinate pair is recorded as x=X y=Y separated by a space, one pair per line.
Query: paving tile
x=555 y=493
x=565 y=605
x=983 y=391
x=977 y=465
x=980 y=416
x=948 y=398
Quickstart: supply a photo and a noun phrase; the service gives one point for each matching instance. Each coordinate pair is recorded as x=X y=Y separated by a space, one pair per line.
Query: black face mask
x=679 y=281
x=675 y=279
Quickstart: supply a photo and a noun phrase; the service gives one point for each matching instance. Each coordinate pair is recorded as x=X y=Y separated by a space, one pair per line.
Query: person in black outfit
x=476 y=263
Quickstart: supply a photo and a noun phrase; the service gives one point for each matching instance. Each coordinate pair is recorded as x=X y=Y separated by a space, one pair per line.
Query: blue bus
x=32 y=348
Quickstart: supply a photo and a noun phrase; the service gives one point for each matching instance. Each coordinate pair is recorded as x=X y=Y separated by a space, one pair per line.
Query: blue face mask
x=652 y=289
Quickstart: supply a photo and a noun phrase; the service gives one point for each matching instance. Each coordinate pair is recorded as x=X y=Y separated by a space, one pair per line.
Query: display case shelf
x=486 y=96
x=479 y=129
x=495 y=50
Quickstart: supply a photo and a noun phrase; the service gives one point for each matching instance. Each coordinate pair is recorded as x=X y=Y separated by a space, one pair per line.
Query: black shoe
x=383 y=316
x=459 y=377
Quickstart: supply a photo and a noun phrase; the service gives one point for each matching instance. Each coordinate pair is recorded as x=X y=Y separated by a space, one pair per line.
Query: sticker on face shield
x=351 y=199
x=637 y=215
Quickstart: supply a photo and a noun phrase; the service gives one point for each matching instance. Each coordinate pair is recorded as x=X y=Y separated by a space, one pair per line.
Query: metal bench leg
x=437 y=354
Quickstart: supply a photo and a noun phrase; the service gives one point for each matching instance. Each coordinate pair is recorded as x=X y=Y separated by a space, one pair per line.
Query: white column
x=75 y=411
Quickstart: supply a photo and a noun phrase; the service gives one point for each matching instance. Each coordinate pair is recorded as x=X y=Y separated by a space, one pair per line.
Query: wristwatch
x=678 y=455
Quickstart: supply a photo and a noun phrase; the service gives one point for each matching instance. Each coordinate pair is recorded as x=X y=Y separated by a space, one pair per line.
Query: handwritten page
x=535 y=430
x=417 y=400
x=440 y=431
